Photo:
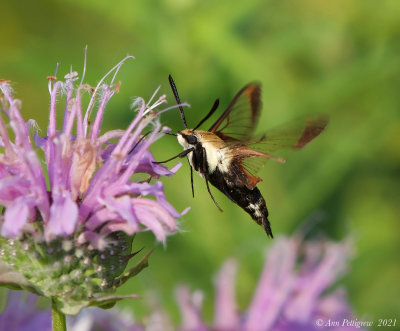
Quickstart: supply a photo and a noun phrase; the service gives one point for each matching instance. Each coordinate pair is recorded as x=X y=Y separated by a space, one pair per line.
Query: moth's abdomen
x=254 y=204
x=250 y=200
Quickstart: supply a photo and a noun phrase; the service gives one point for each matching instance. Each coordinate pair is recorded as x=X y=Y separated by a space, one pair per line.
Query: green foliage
x=339 y=58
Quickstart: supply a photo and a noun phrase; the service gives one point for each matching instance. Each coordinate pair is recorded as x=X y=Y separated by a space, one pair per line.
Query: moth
x=229 y=154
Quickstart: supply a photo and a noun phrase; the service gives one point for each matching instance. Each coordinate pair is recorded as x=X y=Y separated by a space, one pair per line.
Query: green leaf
x=110 y=301
x=143 y=263
x=14 y=280
x=74 y=307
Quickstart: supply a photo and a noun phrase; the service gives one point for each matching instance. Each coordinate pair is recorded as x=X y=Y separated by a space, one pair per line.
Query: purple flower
x=22 y=314
x=293 y=292
x=89 y=174
x=79 y=205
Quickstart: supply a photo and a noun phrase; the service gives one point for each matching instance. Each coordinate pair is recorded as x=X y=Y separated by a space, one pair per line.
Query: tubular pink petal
x=79 y=121
x=110 y=135
x=125 y=137
x=159 y=212
x=133 y=138
x=102 y=179
x=70 y=119
x=106 y=95
x=15 y=217
x=67 y=110
x=150 y=222
x=55 y=165
x=111 y=227
x=226 y=313
x=175 y=168
x=63 y=216
x=13 y=187
x=37 y=183
x=16 y=121
x=147 y=165
x=100 y=217
x=320 y=277
x=276 y=279
x=23 y=153
x=5 y=139
x=134 y=163
x=124 y=207
x=51 y=130
x=145 y=189
x=191 y=315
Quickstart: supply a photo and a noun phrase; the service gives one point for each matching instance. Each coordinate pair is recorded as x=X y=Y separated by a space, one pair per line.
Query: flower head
x=292 y=293
x=70 y=219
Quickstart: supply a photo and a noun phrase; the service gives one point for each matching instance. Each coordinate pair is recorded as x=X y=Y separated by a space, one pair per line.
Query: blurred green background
x=341 y=58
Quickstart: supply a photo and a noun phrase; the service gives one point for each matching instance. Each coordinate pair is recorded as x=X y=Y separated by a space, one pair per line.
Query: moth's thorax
x=214 y=146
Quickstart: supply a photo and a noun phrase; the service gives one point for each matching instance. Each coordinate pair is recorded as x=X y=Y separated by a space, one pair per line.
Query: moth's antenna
x=178 y=101
x=213 y=109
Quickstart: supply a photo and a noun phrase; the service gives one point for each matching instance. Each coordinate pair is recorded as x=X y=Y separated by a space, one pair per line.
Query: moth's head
x=187 y=138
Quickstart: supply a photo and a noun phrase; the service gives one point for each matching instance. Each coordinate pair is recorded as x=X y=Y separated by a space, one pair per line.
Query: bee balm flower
x=68 y=220
x=294 y=291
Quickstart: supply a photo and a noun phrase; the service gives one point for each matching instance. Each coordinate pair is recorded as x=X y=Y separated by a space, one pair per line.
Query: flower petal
x=157 y=211
x=147 y=165
x=123 y=206
x=63 y=216
x=190 y=309
x=100 y=217
x=331 y=264
x=277 y=281
x=226 y=313
x=15 y=217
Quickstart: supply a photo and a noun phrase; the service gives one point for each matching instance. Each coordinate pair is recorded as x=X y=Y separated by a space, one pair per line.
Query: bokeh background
x=339 y=57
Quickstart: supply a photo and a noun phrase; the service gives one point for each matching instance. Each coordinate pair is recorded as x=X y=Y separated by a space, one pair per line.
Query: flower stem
x=58 y=318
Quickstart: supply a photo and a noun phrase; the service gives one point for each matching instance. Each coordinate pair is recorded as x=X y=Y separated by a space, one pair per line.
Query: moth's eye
x=192 y=139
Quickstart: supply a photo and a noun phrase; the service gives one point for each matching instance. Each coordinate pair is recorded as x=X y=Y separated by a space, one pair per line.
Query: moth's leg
x=181 y=154
x=191 y=179
x=204 y=170
x=208 y=189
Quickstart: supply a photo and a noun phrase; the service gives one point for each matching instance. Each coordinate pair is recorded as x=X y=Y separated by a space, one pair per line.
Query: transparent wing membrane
x=294 y=135
x=240 y=118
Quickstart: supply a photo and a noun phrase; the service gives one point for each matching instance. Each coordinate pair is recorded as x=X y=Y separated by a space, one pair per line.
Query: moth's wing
x=252 y=155
x=239 y=120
